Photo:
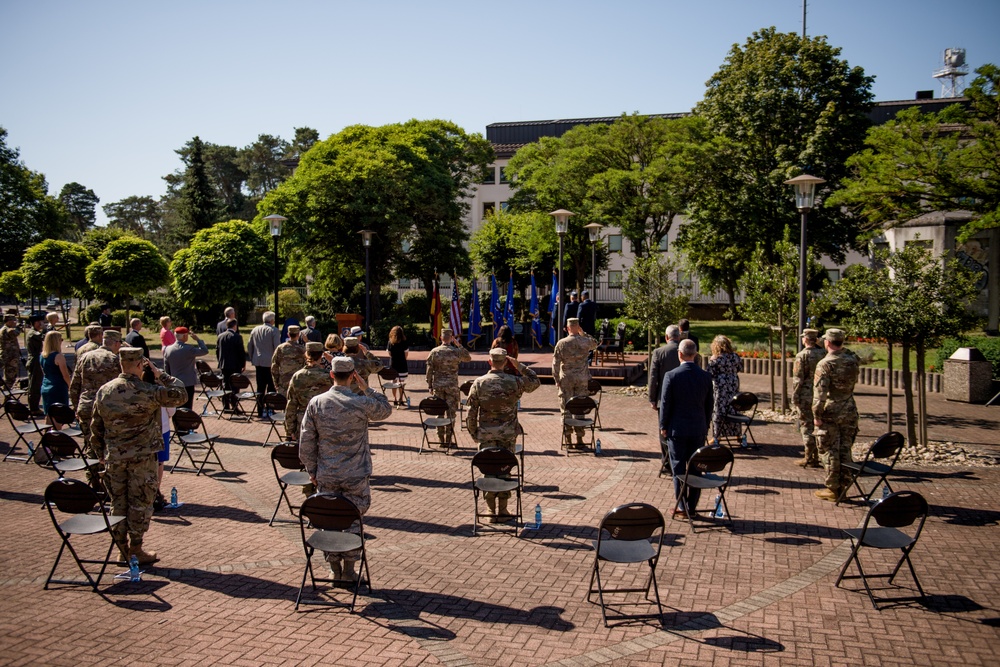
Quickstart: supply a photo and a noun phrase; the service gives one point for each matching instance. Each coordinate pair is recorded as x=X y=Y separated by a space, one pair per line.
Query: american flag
x=456 y=309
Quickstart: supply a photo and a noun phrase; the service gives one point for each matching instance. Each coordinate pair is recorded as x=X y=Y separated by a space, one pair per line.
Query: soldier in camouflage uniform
x=95 y=336
x=333 y=445
x=492 y=417
x=92 y=371
x=834 y=412
x=570 y=369
x=365 y=363
x=289 y=358
x=803 y=372
x=311 y=381
x=442 y=378
x=11 y=350
x=126 y=431
x=36 y=338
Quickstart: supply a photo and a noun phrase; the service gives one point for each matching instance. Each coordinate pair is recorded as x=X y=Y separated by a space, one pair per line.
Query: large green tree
x=127 y=267
x=653 y=295
x=57 y=267
x=197 y=206
x=261 y=162
x=138 y=215
x=780 y=105
x=80 y=203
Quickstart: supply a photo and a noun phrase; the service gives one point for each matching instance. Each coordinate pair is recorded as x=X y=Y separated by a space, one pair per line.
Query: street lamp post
x=274 y=222
x=805 y=197
x=562 y=226
x=594 y=230
x=366 y=240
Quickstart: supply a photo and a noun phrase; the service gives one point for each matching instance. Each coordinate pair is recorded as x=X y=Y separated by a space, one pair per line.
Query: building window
x=663 y=244
x=614 y=278
x=406 y=245
x=444 y=280
x=488 y=208
x=489 y=176
x=833 y=275
x=503 y=175
x=684 y=278
x=504 y=205
x=404 y=283
x=615 y=243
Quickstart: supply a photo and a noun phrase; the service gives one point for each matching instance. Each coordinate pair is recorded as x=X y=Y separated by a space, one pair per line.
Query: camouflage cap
x=92 y=329
x=835 y=335
x=112 y=336
x=498 y=353
x=811 y=334
x=351 y=341
x=572 y=320
x=9 y=316
x=294 y=329
x=314 y=347
x=447 y=332
x=342 y=365
x=130 y=354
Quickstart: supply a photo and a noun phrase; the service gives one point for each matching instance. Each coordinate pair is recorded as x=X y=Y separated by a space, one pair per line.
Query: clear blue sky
x=102 y=92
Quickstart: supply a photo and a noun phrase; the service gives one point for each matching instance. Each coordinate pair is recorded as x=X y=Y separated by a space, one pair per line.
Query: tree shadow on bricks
x=800 y=530
x=232 y=584
x=413 y=526
x=213 y=512
x=413 y=603
x=569 y=537
x=965 y=516
x=750 y=482
x=16 y=496
x=121 y=589
x=379 y=481
x=917 y=476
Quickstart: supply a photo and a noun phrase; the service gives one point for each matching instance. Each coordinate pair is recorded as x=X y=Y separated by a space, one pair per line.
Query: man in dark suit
x=229 y=314
x=571 y=309
x=685 y=326
x=232 y=357
x=665 y=359
x=587 y=313
x=685 y=413
x=136 y=339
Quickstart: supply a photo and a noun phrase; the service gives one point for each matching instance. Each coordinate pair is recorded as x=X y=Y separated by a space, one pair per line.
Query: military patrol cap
x=835 y=335
x=447 y=332
x=573 y=293
x=36 y=318
x=92 y=329
x=113 y=336
x=572 y=320
x=9 y=316
x=811 y=334
x=342 y=365
x=130 y=354
x=294 y=329
x=314 y=347
x=498 y=353
x=585 y=292
x=351 y=341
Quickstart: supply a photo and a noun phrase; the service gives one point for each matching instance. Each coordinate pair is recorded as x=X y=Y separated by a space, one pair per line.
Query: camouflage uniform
x=803 y=372
x=35 y=341
x=442 y=381
x=833 y=405
x=571 y=371
x=92 y=371
x=11 y=350
x=309 y=382
x=333 y=444
x=365 y=363
x=289 y=357
x=126 y=430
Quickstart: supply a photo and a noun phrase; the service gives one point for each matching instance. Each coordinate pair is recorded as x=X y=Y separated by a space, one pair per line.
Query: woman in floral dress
x=725 y=366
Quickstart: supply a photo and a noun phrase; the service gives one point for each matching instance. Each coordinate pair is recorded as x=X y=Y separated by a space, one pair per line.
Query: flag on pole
x=509 y=306
x=455 y=316
x=436 y=314
x=495 y=304
x=536 y=321
x=554 y=308
x=475 y=318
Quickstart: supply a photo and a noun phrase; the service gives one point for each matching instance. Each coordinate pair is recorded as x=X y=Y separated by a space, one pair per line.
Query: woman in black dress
x=398 y=351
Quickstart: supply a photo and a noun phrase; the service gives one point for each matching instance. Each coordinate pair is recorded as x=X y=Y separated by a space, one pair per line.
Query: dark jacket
x=686 y=402
x=587 y=312
x=570 y=310
x=134 y=339
x=665 y=359
x=314 y=335
x=230 y=352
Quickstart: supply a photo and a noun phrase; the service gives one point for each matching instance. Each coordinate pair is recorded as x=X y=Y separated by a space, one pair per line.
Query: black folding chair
x=700 y=474
x=898 y=510
x=578 y=411
x=596 y=392
x=241 y=392
x=23 y=423
x=888 y=446
x=75 y=497
x=63 y=414
x=744 y=405
x=495 y=465
x=388 y=379
x=624 y=537
x=289 y=471
x=15 y=392
x=186 y=433
x=62 y=453
x=433 y=414
x=275 y=404
x=211 y=389
x=332 y=515
x=464 y=388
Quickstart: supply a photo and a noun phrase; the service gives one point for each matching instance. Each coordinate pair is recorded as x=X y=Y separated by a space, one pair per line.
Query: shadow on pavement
x=122 y=588
x=382 y=481
x=965 y=516
x=413 y=526
x=212 y=512
x=802 y=530
x=410 y=604
x=30 y=498
x=234 y=585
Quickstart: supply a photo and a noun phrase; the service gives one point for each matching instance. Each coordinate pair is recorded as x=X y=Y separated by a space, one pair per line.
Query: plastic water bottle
x=597 y=447
x=720 y=511
x=134 y=574
x=743 y=441
x=538 y=516
x=173 y=497
x=715 y=442
x=407 y=401
x=885 y=492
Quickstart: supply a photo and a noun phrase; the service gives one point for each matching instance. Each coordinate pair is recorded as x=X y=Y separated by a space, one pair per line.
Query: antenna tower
x=952 y=75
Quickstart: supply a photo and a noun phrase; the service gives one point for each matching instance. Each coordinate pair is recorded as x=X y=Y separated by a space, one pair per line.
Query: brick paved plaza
x=759 y=593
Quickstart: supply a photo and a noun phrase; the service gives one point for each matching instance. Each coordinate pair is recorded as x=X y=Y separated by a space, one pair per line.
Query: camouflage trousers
x=34 y=387
x=806 y=431
x=84 y=414
x=11 y=369
x=835 y=439
x=132 y=486
x=570 y=386
x=452 y=396
x=505 y=442
x=359 y=492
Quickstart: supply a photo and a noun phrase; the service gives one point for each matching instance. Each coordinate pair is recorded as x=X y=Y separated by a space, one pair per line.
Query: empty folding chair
x=578 y=415
x=495 y=465
x=76 y=498
x=388 y=379
x=628 y=534
x=744 y=405
x=241 y=392
x=519 y=450
x=888 y=446
x=15 y=392
x=62 y=454
x=63 y=414
x=211 y=389
x=274 y=406
x=899 y=510
x=331 y=515
x=186 y=432
x=701 y=474
x=433 y=413
x=464 y=388
x=289 y=471
x=23 y=423
x=596 y=392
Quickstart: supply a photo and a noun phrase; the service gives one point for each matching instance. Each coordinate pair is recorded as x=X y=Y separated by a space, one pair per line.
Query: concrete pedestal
x=968 y=376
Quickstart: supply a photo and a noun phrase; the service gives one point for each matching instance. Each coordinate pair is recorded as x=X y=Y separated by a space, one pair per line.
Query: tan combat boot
x=336 y=567
x=503 y=516
x=491 y=502
x=827 y=494
x=145 y=557
x=349 y=572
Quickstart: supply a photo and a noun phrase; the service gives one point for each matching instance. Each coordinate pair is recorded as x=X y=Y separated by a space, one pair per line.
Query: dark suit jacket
x=135 y=339
x=230 y=352
x=314 y=336
x=587 y=312
x=570 y=310
x=686 y=402
x=665 y=359
x=221 y=327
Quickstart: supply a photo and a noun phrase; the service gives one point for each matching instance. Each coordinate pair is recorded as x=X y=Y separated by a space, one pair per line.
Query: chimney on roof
x=925 y=95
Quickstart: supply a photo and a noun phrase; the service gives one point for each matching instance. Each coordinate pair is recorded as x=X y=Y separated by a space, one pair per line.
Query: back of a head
x=687 y=349
x=231 y=325
x=683 y=324
x=269 y=318
x=673 y=332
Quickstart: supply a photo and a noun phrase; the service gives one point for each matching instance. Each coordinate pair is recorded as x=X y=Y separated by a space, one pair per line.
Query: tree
x=138 y=215
x=56 y=267
x=80 y=203
x=261 y=162
x=653 y=295
x=12 y=284
x=226 y=263
x=27 y=213
x=305 y=138
x=779 y=105
x=127 y=267
x=196 y=206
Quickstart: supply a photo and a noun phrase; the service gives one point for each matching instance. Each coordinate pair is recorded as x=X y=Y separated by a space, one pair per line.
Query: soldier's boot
x=503 y=516
x=827 y=494
x=144 y=557
x=491 y=502
x=123 y=552
x=807 y=462
x=349 y=573
x=336 y=567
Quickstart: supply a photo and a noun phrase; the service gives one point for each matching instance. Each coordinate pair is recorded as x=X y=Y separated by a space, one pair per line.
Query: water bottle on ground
x=407 y=401
x=134 y=574
x=173 y=498
x=743 y=441
x=597 y=447
x=885 y=492
x=720 y=511
x=715 y=442
x=538 y=516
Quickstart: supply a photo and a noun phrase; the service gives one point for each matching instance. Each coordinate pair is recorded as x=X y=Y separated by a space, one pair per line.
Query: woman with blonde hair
x=725 y=366
x=398 y=350
x=334 y=348
x=55 y=375
x=167 y=336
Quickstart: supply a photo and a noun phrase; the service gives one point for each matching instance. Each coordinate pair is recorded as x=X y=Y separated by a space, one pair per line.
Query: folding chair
x=202 y=367
x=888 y=446
x=286 y=457
x=332 y=515
x=604 y=340
x=465 y=388
x=519 y=451
x=211 y=389
x=495 y=465
x=241 y=392
x=186 y=424
x=15 y=392
x=23 y=423
x=594 y=389
x=63 y=414
x=742 y=404
x=62 y=453
x=700 y=474
x=275 y=404
x=433 y=413
x=628 y=530
x=578 y=410
x=898 y=510
x=73 y=496
x=616 y=348
x=388 y=378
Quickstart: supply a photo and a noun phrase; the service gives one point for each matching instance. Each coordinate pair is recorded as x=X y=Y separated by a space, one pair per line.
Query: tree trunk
x=911 y=429
x=921 y=393
x=888 y=347
x=65 y=312
x=784 y=369
x=770 y=362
